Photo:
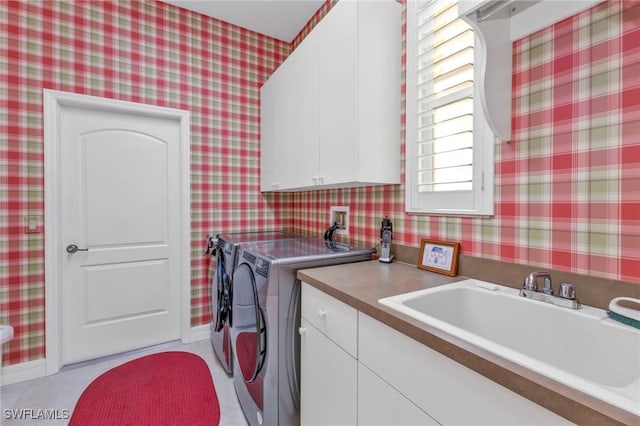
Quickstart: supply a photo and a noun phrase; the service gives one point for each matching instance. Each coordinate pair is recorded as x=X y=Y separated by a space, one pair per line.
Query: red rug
x=168 y=388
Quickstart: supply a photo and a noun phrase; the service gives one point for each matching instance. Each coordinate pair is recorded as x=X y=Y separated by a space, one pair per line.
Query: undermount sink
x=583 y=349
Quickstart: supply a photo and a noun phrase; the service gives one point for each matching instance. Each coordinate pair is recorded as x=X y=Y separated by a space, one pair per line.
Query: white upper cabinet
x=497 y=24
x=296 y=116
x=269 y=160
x=330 y=114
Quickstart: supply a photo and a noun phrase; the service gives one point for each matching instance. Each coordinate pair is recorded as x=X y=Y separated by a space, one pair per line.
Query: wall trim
x=24 y=371
x=36 y=369
x=200 y=332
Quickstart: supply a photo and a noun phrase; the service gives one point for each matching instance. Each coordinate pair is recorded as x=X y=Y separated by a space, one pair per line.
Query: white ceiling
x=281 y=19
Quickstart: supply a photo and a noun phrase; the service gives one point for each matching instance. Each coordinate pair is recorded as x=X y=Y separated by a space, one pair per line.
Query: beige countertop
x=362 y=284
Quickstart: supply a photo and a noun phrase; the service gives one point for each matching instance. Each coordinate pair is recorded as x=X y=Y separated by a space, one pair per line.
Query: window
x=449 y=144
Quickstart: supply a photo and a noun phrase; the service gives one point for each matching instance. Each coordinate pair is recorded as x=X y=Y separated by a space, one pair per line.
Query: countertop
x=362 y=284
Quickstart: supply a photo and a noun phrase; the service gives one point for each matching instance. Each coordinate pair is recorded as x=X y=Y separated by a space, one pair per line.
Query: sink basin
x=584 y=349
x=6 y=333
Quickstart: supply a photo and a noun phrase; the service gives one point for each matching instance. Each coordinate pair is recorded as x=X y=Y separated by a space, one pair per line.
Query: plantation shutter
x=445 y=122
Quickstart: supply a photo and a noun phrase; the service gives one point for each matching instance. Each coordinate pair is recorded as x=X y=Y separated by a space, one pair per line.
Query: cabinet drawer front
x=448 y=391
x=337 y=320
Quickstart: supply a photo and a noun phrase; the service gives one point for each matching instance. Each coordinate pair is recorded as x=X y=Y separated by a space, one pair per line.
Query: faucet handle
x=530 y=283
x=567 y=291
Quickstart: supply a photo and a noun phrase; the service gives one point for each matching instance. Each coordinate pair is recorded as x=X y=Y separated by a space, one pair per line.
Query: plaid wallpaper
x=567 y=185
x=141 y=51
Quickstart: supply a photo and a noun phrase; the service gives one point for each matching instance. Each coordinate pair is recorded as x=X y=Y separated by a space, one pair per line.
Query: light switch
x=33 y=224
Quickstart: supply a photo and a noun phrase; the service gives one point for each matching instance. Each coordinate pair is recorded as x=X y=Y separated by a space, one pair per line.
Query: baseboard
x=24 y=371
x=200 y=332
x=35 y=369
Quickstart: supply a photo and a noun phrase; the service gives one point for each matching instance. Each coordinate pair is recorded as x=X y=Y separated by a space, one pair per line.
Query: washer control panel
x=262 y=267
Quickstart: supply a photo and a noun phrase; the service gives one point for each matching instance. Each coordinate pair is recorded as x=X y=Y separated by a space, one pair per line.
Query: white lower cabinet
x=328 y=360
x=356 y=370
x=449 y=392
x=329 y=380
x=379 y=404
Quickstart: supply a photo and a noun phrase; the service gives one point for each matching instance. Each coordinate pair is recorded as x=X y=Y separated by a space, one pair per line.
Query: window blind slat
x=446 y=175
x=457 y=125
x=429 y=40
x=460 y=36
x=453 y=110
x=464 y=89
x=462 y=186
x=443 y=160
x=445 y=64
x=446 y=113
x=449 y=143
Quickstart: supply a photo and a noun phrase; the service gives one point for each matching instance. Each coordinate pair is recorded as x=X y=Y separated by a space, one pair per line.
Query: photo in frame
x=439 y=256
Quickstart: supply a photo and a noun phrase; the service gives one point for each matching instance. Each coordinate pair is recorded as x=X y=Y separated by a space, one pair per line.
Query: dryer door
x=250 y=341
x=220 y=289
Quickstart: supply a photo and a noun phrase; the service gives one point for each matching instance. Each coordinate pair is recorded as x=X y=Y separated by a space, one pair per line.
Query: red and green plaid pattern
x=141 y=51
x=567 y=185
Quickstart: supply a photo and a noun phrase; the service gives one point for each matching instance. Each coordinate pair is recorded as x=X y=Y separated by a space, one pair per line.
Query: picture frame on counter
x=438 y=256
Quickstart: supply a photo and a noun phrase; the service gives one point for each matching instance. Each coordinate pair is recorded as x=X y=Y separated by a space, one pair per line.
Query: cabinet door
x=439 y=385
x=268 y=134
x=379 y=404
x=298 y=118
x=338 y=53
x=328 y=380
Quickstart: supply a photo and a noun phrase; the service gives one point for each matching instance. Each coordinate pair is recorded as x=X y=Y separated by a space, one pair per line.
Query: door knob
x=72 y=248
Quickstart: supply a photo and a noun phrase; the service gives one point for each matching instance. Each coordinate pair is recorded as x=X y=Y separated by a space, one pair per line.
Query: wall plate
x=340 y=214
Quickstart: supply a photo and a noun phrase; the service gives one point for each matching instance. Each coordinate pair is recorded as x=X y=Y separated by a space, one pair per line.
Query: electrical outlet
x=340 y=214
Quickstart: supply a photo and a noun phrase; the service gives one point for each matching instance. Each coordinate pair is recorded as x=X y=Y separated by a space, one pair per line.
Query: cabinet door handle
x=302 y=331
x=322 y=313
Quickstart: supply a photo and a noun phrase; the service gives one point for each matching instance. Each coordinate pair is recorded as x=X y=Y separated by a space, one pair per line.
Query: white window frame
x=476 y=202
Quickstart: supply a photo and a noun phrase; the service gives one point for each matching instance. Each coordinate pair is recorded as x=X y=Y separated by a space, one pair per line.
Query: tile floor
x=62 y=390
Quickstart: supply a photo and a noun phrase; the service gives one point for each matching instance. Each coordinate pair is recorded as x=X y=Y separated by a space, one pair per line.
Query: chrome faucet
x=566 y=296
x=531 y=282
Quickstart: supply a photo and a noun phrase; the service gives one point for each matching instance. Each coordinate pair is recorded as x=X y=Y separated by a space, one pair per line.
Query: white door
x=120 y=237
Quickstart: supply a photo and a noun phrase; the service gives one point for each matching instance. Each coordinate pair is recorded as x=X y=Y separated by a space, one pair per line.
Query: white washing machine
x=266 y=317
x=223 y=249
